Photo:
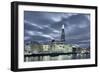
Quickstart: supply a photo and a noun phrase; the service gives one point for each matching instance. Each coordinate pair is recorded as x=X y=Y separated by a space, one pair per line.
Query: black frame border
x=14 y=35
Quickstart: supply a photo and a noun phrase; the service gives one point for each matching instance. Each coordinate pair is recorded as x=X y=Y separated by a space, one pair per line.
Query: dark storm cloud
x=45 y=26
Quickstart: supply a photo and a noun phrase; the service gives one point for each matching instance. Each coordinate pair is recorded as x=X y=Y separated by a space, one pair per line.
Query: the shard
x=62 y=34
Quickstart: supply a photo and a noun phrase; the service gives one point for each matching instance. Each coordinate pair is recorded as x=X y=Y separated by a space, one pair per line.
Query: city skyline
x=45 y=26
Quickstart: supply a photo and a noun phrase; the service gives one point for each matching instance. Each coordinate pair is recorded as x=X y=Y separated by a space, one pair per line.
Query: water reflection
x=60 y=57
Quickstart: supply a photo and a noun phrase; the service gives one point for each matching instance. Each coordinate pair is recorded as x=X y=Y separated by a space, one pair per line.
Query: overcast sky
x=45 y=26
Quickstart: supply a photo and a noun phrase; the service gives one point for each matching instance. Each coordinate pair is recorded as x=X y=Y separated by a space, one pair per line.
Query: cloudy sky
x=45 y=26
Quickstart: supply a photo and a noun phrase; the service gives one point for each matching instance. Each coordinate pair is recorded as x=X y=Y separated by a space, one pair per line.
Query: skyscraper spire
x=63 y=26
x=62 y=34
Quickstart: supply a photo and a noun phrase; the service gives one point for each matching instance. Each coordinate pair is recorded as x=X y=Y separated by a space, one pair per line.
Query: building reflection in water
x=60 y=57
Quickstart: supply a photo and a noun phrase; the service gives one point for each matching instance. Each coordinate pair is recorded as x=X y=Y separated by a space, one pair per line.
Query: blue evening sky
x=45 y=26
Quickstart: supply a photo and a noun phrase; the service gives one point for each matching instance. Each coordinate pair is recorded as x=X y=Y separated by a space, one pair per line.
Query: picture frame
x=48 y=36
